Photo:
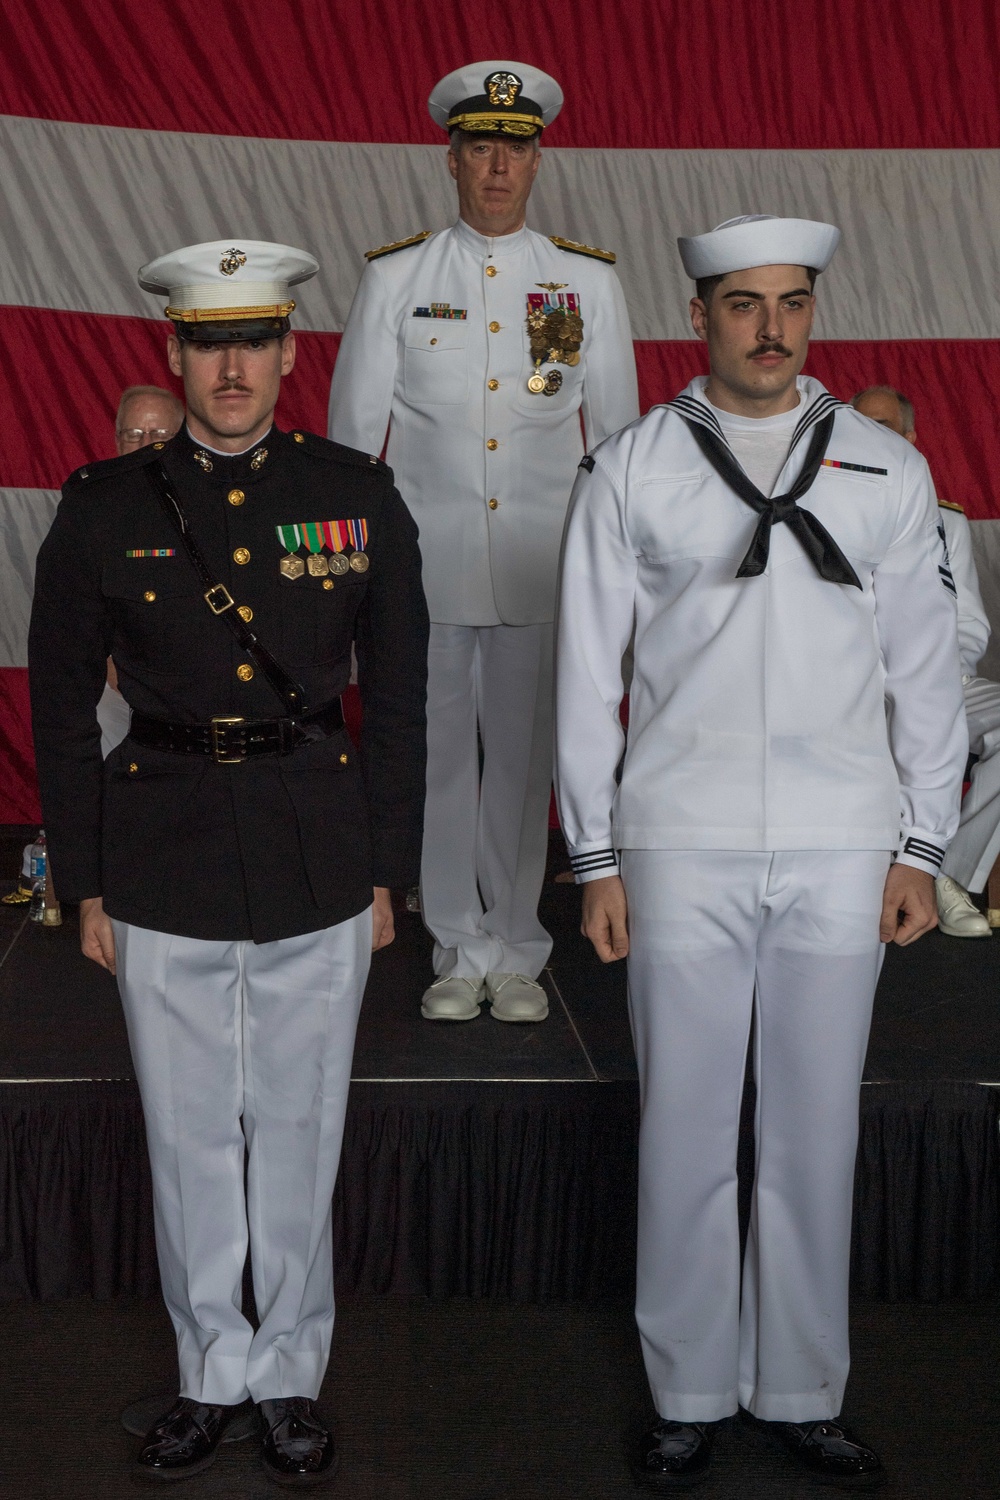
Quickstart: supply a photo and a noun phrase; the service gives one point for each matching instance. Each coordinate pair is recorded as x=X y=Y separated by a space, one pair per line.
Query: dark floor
x=937 y=1012
x=463 y=1400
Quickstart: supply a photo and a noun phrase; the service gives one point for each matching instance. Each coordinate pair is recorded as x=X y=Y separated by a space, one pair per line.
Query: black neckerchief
x=827 y=558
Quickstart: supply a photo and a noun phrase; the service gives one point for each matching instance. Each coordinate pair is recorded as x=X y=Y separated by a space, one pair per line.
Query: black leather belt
x=229 y=740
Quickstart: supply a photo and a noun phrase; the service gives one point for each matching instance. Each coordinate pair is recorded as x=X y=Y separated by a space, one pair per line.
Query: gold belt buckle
x=217 y=745
x=219 y=599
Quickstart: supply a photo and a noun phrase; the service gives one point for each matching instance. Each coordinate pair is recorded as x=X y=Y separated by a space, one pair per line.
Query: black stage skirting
x=491 y=1160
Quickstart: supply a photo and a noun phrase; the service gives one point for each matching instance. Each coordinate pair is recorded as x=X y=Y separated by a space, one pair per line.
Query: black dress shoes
x=676 y=1455
x=184 y=1441
x=828 y=1451
x=298 y=1449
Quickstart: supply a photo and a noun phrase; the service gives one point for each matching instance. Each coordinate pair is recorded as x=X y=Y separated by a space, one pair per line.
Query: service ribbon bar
x=151 y=552
x=289 y=537
x=839 y=463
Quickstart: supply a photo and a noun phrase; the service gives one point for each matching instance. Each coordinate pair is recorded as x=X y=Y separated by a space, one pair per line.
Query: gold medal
x=553 y=381
x=536 y=384
x=339 y=564
x=317 y=565
x=359 y=562
x=573 y=358
x=292 y=566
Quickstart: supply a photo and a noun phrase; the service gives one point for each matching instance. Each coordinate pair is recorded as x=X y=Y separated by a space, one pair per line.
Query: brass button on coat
x=433 y=341
x=494 y=385
x=134 y=766
x=236 y=497
x=149 y=595
x=343 y=760
x=494 y=504
x=241 y=555
x=298 y=437
x=328 y=583
x=491 y=270
x=492 y=444
x=245 y=612
x=494 y=327
x=244 y=671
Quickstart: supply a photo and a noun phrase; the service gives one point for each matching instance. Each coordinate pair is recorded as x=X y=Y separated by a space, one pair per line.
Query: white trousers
x=229 y=1032
x=974 y=849
x=707 y=931
x=486 y=836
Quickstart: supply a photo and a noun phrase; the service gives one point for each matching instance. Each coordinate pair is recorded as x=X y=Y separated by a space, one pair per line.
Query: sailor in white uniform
x=769 y=827
x=974 y=849
x=480 y=347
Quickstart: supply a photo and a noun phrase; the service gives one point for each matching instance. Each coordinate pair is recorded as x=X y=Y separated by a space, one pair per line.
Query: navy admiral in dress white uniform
x=975 y=848
x=479 y=348
x=226 y=854
x=771 y=827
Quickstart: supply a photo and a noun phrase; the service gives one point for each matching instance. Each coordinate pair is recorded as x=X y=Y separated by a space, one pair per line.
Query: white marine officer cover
x=234 y=275
x=758 y=708
x=759 y=240
x=437 y=349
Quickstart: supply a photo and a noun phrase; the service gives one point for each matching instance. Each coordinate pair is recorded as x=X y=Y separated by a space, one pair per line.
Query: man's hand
x=909 y=906
x=383 y=926
x=97 y=938
x=605 y=918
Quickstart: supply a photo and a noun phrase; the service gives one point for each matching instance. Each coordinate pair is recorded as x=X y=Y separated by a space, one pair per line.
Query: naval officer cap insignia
x=229 y=290
x=496 y=98
x=759 y=240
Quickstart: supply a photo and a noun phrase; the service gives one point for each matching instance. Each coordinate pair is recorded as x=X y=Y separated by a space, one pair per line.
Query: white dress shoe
x=452 y=999
x=515 y=997
x=958 y=914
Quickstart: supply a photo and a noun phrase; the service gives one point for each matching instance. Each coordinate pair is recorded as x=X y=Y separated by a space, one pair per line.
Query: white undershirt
x=760 y=443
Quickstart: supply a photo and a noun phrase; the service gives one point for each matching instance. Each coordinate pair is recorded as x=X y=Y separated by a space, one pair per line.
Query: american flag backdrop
x=130 y=128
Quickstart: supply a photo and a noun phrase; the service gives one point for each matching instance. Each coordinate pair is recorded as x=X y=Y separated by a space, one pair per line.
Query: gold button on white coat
x=244 y=671
x=494 y=327
x=491 y=270
x=433 y=341
x=494 y=504
x=241 y=555
x=236 y=497
x=492 y=444
x=494 y=385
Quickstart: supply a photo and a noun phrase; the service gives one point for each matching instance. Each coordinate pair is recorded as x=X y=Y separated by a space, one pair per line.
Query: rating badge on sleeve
x=555 y=333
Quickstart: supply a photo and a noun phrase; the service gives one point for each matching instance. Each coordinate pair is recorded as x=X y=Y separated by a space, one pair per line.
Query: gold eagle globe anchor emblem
x=231 y=262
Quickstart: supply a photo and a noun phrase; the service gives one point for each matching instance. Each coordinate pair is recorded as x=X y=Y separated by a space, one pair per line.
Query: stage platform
x=485 y=1159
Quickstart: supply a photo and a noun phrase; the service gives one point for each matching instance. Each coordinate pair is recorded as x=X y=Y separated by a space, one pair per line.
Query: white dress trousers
x=486 y=838
x=242 y=1054
x=974 y=849
x=789 y=939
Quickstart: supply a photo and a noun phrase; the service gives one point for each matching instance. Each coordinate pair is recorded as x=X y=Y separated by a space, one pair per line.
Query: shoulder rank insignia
x=415 y=239
x=950 y=505
x=576 y=249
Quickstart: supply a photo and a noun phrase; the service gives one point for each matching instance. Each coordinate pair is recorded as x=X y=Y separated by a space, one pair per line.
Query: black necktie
x=828 y=560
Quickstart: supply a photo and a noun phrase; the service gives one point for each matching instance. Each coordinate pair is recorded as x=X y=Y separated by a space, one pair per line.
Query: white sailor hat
x=228 y=290
x=759 y=240
x=496 y=98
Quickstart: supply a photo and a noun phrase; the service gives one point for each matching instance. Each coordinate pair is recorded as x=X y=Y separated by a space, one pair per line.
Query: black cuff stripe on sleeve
x=920 y=849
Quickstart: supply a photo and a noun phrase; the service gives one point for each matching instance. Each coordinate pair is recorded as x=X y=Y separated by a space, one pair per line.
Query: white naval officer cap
x=228 y=290
x=759 y=240
x=496 y=98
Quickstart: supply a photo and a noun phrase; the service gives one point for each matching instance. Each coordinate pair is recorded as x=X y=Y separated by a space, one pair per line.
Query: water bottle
x=36 y=875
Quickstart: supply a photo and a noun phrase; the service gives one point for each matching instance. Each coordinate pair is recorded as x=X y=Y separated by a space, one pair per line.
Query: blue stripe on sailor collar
x=695 y=408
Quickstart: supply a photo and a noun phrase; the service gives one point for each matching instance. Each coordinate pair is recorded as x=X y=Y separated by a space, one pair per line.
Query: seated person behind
x=977 y=843
x=146 y=414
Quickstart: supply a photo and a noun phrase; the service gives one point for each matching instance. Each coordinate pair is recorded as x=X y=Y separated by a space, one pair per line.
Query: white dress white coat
x=976 y=845
x=436 y=349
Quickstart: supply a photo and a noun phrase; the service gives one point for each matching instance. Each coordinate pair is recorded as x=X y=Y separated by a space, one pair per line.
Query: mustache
x=769 y=349
x=232 y=385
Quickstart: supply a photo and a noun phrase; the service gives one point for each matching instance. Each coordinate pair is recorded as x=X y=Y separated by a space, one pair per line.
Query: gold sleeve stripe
x=950 y=505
